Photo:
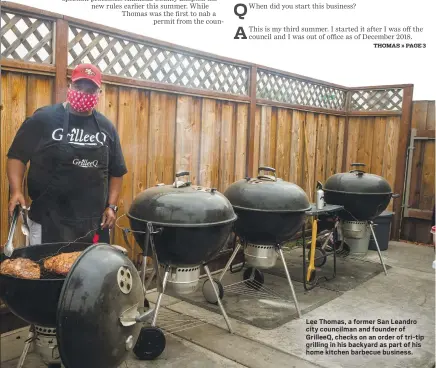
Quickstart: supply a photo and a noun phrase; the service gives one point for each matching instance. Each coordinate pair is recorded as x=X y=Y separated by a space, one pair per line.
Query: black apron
x=75 y=198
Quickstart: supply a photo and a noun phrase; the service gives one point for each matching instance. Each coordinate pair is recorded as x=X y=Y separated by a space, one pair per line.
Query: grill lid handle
x=359 y=172
x=179 y=183
x=266 y=168
x=182 y=173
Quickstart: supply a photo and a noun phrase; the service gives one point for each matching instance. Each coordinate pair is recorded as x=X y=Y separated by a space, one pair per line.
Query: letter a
x=240 y=32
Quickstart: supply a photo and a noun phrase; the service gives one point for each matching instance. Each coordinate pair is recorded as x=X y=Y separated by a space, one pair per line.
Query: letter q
x=240 y=14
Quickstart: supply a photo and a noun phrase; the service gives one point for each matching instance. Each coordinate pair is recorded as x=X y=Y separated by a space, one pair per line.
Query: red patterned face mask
x=82 y=101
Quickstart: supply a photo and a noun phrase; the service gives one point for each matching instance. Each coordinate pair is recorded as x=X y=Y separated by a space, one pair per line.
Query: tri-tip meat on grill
x=61 y=263
x=22 y=268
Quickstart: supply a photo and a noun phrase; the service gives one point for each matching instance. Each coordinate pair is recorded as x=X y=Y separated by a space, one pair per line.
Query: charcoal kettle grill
x=270 y=211
x=90 y=318
x=182 y=226
x=363 y=196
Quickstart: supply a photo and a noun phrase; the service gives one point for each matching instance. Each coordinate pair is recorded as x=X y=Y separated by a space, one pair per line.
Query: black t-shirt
x=45 y=127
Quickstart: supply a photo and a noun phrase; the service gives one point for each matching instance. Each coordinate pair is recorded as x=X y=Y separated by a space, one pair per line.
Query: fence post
x=251 y=121
x=61 y=59
x=400 y=173
x=347 y=118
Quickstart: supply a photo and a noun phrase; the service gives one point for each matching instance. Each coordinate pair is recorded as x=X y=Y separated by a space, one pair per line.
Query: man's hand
x=16 y=198
x=109 y=218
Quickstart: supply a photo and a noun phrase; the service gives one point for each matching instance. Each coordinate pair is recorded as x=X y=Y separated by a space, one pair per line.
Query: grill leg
x=144 y=269
x=144 y=257
x=378 y=249
x=229 y=262
x=26 y=348
x=290 y=282
x=146 y=286
x=206 y=268
x=159 y=298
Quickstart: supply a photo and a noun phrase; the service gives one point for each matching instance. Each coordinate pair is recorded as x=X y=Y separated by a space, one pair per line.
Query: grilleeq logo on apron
x=85 y=163
x=78 y=136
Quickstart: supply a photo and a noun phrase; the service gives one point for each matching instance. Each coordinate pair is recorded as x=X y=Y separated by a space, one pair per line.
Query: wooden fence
x=420 y=188
x=177 y=108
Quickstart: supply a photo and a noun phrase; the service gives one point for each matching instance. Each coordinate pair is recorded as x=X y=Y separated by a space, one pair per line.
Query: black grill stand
x=330 y=210
x=148 y=350
x=55 y=362
x=252 y=280
x=161 y=286
x=371 y=225
x=30 y=339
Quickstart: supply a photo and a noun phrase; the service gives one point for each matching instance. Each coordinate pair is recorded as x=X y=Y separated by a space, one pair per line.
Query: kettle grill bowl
x=358 y=207
x=262 y=227
x=193 y=245
x=35 y=301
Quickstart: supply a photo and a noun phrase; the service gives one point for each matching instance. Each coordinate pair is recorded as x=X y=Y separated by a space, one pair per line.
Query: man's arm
x=20 y=152
x=115 y=184
x=15 y=171
x=117 y=169
x=109 y=216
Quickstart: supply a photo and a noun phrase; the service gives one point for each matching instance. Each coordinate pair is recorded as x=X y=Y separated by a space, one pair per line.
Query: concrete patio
x=408 y=292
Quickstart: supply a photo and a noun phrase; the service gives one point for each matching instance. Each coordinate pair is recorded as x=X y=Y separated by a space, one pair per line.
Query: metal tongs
x=9 y=247
x=25 y=226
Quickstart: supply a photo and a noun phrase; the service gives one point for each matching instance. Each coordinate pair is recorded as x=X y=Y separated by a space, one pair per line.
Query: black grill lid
x=267 y=193
x=357 y=182
x=182 y=204
x=102 y=285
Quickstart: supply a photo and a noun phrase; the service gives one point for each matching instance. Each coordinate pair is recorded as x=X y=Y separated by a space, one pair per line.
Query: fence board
x=283 y=148
x=141 y=147
x=419 y=115
x=419 y=121
x=266 y=134
x=340 y=149
x=256 y=140
x=391 y=149
x=332 y=145
x=188 y=131
x=108 y=103
x=379 y=139
x=273 y=137
x=321 y=149
x=39 y=92
x=415 y=183
x=310 y=134
x=210 y=143
x=365 y=141
x=431 y=121
x=161 y=140
x=353 y=138
x=241 y=140
x=297 y=148
x=427 y=191
x=227 y=150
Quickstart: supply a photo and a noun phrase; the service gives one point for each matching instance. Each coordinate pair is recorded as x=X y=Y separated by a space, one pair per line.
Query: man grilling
x=76 y=166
